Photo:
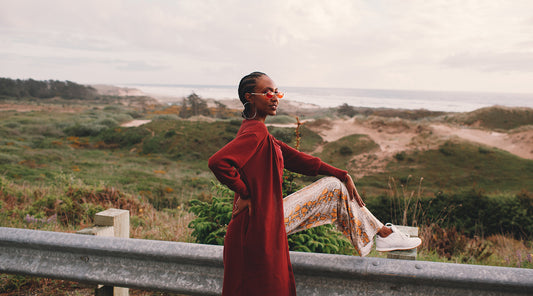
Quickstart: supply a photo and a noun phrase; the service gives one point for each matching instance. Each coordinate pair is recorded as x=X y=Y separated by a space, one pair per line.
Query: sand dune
x=395 y=135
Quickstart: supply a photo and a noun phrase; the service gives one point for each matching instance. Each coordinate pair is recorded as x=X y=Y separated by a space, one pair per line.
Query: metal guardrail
x=197 y=269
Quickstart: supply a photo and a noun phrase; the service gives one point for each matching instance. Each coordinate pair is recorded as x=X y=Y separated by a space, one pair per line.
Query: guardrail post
x=408 y=254
x=114 y=223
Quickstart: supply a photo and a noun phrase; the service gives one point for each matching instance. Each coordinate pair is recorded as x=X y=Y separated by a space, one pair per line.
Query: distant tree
x=221 y=109
x=45 y=89
x=184 y=112
x=347 y=110
x=9 y=88
x=193 y=105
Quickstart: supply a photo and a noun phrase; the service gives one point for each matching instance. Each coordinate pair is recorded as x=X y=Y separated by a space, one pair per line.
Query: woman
x=256 y=253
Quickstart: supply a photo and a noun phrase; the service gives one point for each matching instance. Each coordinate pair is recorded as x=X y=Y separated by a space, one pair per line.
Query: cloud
x=345 y=43
x=492 y=62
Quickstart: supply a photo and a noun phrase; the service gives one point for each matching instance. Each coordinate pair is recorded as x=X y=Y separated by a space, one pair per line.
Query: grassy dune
x=63 y=161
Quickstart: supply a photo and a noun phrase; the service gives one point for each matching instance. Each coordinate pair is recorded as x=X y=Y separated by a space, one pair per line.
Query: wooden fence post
x=115 y=223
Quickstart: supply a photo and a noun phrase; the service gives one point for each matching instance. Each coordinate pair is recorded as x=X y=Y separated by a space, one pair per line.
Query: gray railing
x=197 y=269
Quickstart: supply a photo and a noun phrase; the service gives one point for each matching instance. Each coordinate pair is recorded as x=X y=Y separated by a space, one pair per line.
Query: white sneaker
x=396 y=241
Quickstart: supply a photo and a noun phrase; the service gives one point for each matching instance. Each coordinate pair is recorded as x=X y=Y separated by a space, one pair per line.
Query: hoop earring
x=243 y=113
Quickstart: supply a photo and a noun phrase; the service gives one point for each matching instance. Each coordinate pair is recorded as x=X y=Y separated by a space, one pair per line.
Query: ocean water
x=375 y=98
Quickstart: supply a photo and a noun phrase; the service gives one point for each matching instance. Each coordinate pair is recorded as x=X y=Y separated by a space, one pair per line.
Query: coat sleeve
x=306 y=164
x=225 y=163
x=299 y=162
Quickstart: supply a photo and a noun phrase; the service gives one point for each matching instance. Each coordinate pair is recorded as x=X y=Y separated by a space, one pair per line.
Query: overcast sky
x=472 y=45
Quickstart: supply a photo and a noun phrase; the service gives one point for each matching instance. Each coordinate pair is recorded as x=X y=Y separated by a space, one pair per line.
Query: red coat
x=256 y=252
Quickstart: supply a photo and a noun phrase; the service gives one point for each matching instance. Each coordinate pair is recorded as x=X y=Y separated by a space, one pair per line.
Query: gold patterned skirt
x=327 y=202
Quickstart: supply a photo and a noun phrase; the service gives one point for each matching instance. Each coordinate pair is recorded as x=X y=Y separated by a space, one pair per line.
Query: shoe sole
x=395 y=249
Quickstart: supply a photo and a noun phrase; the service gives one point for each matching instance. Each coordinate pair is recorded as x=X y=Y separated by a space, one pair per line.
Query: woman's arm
x=226 y=162
x=306 y=164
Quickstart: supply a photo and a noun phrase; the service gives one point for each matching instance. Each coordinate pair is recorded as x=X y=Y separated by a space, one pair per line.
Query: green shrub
x=470 y=212
x=400 y=156
x=498 y=117
x=213 y=217
x=338 y=153
x=166 y=117
x=9 y=158
x=309 y=139
x=12 y=124
x=345 y=150
x=285 y=135
x=156 y=144
x=458 y=166
x=84 y=130
x=321 y=239
x=280 y=119
x=113 y=108
x=346 y=110
x=124 y=137
x=109 y=122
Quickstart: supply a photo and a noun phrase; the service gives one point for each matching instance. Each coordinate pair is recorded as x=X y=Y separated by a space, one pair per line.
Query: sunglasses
x=270 y=94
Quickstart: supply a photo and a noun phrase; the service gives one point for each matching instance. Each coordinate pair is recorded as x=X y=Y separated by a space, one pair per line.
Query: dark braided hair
x=247 y=85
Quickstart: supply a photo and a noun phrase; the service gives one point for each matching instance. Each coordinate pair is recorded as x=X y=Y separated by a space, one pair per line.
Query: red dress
x=256 y=252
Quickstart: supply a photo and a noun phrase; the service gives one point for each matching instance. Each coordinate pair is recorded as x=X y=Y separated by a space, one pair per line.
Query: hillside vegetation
x=63 y=159
x=30 y=88
x=496 y=118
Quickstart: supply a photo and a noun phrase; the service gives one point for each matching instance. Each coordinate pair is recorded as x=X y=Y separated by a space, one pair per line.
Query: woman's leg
x=327 y=202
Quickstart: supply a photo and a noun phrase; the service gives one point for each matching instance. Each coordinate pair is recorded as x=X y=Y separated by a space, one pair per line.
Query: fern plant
x=213 y=217
x=321 y=239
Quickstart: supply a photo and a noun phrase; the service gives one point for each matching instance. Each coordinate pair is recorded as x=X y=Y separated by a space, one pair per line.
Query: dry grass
x=512 y=252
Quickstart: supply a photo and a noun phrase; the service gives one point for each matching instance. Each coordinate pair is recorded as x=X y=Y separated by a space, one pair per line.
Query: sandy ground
x=133 y=123
x=111 y=90
x=394 y=136
x=519 y=143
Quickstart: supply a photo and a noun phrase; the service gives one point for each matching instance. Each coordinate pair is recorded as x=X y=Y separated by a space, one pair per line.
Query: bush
x=109 y=122
x=450 y=243
x=280 y=119
x=321 y=239
x=166 y=117
x=345 y=150
x=124 y=137
x=65 y=209
x=84 y=130
x=9 y=158
x=346 y=110
x=213 y=217
x=286 y=135
x=498 y=117
x=340 y=152
x=471 y=212
x=156 y=144
x=400 y=156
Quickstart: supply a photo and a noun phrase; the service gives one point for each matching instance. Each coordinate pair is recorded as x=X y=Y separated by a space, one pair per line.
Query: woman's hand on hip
x=350 y=185
x=241 y=205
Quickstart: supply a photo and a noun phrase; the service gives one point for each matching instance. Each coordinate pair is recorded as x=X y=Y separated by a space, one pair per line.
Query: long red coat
x=256 y=252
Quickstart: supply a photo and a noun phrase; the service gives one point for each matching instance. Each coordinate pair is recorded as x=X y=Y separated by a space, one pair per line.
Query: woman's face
x=264 y=106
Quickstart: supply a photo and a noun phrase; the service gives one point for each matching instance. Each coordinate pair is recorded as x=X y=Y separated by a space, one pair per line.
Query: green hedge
x=472 y=212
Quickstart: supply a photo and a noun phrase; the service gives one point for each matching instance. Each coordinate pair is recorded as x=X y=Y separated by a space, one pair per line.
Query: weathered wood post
x=111 y=222
x=409 y=254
